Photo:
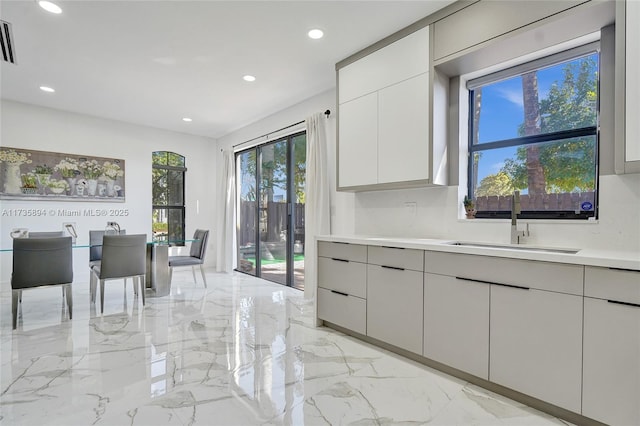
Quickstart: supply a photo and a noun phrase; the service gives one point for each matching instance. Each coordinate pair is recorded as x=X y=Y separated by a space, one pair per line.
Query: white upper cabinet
x=389 y=65
x=403 y=133
x=384 y=117
x=632 y=137
x=485 y=20
x=627 y=155
x=357 y=161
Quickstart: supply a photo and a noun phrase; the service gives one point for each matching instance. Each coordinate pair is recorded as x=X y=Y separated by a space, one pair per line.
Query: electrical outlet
x=411 y=207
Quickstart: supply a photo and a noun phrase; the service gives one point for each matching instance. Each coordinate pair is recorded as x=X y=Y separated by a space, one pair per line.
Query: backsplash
x=433 y=213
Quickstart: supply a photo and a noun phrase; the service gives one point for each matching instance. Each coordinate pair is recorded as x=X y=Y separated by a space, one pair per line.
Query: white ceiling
x=155 y=62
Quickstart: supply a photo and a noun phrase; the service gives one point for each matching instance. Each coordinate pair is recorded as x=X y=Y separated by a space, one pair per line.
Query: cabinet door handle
x=339 y=292
x=623 y=269
x=339 y=260
x=392 y=267
x=635 y=305
x=512 y=286
x=492 y=283
x=397 y=248
x=475 y=281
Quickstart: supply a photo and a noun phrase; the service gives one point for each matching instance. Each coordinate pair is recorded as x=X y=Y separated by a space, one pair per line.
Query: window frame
x=167 y=207
x=510 y=72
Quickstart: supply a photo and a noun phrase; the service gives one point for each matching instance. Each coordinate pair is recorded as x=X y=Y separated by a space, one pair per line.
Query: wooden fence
x=273 y=219
x=563 y=201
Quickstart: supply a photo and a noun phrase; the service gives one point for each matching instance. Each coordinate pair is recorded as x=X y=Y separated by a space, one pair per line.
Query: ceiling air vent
x=6 y=39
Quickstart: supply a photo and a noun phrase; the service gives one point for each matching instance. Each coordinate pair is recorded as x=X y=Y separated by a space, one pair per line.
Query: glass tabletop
x=150 y=243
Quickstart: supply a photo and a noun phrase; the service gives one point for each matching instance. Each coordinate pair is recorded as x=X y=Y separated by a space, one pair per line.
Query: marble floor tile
x=244 y=351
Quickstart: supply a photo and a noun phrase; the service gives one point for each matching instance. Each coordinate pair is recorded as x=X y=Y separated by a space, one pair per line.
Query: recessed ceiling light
x=187 y=119
x=315 y=34
x=47 y=89
x=50 y=7
x=249 y=78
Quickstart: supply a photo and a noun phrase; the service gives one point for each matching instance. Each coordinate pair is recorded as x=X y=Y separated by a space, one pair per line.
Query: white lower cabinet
x=342 y=309
x=343 y=275
x=536 y=344
x=611 y=388
x=342 y=285
x=565 y=334
x=611 y=374
x=456 y=323
x=394 y=306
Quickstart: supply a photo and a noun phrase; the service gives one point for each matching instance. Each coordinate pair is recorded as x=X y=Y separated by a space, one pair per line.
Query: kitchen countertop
x=591 y=257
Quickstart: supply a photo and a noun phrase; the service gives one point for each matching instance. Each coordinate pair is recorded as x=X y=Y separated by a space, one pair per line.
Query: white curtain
x=317 y=208
x=225 y=212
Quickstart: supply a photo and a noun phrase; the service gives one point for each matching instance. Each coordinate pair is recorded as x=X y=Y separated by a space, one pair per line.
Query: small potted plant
x=29 y=183
x=469 y=207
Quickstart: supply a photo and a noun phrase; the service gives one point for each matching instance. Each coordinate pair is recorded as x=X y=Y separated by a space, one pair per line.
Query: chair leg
x=193 y=271
x=170 y=274
x=15 y=295
x=20 y=296
x=92 y=287
x=135 y=285
x=141 y=284
x=69 y=294
x=102 y=296
x=204 y=279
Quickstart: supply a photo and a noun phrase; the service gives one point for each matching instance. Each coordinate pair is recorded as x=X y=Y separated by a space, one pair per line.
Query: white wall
x=32 y=127
x=436 y=216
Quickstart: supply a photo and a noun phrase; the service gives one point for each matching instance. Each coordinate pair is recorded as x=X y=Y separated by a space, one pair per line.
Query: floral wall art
x=40 y=175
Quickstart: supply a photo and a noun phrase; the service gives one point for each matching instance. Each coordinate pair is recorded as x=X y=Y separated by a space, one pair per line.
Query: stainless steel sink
x=516 y=247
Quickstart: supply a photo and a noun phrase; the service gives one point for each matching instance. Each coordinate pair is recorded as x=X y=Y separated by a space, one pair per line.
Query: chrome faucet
x=516 y=236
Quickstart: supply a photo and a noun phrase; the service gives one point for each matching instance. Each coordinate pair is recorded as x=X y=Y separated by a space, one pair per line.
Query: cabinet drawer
x=396 y=257
x=344 y=251
x=395 y=306
x=343 y=276
x=612 y=284
x=346 y=311
x=557 y=277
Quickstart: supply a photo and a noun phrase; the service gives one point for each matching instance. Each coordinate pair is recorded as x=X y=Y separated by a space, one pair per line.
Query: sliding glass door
x=270 y=210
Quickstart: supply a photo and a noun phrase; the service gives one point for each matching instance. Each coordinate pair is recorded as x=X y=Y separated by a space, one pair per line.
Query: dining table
x=157 y=277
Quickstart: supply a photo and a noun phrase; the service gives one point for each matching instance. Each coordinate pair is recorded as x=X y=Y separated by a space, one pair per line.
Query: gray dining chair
x=195 y=258
x=41 y=262
x=95 y=255
x=48 y=234
x=123 y=256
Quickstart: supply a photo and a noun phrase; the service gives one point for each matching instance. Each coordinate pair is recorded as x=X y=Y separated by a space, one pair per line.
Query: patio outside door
x=270 y=210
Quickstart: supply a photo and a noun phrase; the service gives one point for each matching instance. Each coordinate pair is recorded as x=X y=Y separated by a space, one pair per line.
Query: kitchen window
x=168 y=173
x=534 y=128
